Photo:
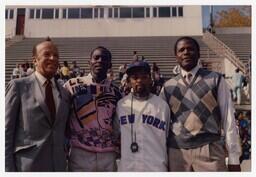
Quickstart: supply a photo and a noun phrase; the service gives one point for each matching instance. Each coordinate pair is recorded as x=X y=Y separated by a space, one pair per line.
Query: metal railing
x=223 y=50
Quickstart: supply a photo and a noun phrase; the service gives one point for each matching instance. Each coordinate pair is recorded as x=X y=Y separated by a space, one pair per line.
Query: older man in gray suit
x=37 y=109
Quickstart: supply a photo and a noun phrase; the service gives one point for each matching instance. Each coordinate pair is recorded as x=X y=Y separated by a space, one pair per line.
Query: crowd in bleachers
x=243 y=121
x=157 y=77
x=64 y=72
x=22 y=70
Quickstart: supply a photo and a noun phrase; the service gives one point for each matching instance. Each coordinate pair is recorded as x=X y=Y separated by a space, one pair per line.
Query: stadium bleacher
x=240 y=44
x=154 y=49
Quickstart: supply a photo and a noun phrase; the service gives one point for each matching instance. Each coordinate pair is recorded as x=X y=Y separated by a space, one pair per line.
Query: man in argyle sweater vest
x=201 y=113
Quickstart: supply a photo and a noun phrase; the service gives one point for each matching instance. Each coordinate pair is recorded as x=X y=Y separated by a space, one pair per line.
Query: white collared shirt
x=193 y=72
x=41 y=79
x=227 y=111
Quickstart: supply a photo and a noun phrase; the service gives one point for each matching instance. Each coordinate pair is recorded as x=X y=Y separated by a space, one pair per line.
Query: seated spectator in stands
x=248 y=117
x=110 y=75
x=247 y=87
x=155 y=72
x=157 y=84
x=58 y=79
x=135 y=57
x=143 y=58
x=82 y=72
x=16 y=72
x=65 y=71
x=237 y=79
x=124 y=86
x=244 y=125
x=58 y=76
x=75 y=70
x=30 y=69
x=155 y=68
x=59 y=70
x=22 y=70
x=122 y=70
x=26 y=66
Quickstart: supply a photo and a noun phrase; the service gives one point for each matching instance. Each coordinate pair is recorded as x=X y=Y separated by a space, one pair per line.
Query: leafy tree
x=234 y=17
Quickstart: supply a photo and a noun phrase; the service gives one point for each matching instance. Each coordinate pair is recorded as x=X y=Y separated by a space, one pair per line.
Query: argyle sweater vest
x=194 y=108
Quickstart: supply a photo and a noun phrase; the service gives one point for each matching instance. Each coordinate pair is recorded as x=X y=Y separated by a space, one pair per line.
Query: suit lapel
x=39 y=97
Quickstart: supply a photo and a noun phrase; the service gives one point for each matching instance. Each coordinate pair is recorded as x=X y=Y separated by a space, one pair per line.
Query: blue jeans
x=237 y=94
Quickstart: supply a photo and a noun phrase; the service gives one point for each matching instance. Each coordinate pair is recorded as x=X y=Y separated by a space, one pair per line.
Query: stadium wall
x=10 y=26
x=189 y=24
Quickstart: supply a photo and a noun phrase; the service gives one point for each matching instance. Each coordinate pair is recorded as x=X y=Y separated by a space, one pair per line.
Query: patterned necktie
x=49 y=100
x=188 y=77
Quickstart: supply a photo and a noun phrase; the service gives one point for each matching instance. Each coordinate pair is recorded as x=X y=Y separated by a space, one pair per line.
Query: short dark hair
x=187 y=38
x=35 y=46
x=65 y=63
x=237 y=70
x=103 y=49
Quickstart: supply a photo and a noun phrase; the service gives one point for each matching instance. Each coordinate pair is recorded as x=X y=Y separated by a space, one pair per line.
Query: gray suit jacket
x=32 y=142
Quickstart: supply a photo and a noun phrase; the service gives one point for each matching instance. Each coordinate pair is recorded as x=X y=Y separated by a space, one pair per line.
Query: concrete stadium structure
x=102 y=21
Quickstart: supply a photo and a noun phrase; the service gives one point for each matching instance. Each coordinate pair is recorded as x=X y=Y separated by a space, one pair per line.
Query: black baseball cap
x=138 y=65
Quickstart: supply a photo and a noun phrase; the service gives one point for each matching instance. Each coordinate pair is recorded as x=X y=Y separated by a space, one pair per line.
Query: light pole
x=211 y=20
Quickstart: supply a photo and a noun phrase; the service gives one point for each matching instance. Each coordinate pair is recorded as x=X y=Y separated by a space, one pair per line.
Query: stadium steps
x=154 y=49
x=14 y=40
x=239 y=43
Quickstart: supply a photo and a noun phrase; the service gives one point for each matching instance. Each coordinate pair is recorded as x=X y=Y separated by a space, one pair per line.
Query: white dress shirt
x=41 y=79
